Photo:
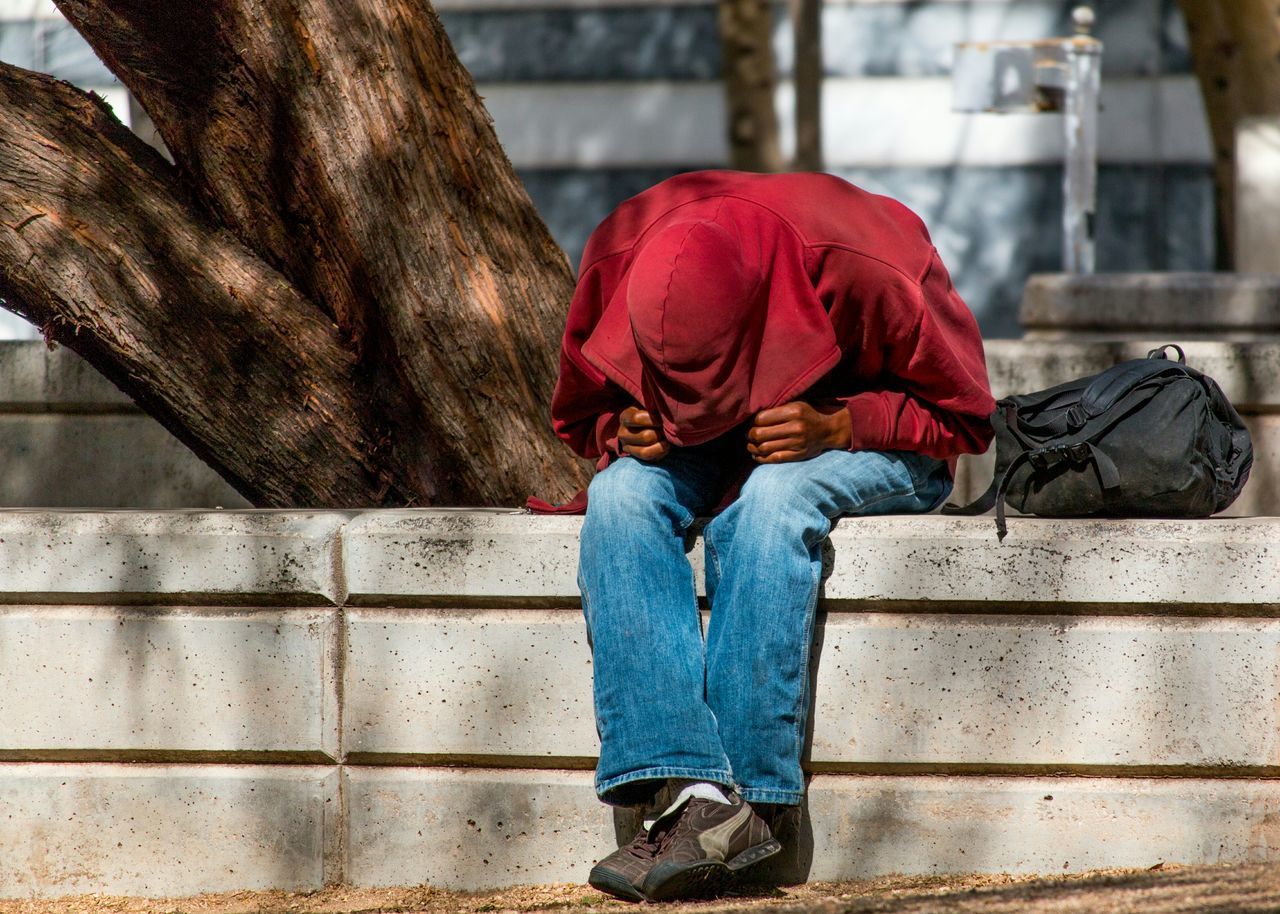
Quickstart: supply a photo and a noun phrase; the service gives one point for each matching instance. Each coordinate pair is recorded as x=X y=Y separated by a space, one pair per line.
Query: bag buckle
x=1045 y=458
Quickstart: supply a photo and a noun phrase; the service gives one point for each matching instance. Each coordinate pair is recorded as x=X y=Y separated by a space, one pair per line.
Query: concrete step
x=156 y=829
x=70 y=439
x=535 y=826
x=1110 y=305
x=939 y=691
x=231 y=700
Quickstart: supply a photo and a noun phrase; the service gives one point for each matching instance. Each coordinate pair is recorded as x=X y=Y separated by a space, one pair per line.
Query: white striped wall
x=595 y=99
x=868 y=123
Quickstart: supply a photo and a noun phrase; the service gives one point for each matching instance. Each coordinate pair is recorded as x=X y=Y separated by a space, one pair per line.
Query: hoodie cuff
x=607 y=433
x=868 y=422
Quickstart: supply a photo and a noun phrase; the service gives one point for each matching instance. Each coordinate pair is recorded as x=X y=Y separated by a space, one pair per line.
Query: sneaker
x=621 y=873
x=701 y=845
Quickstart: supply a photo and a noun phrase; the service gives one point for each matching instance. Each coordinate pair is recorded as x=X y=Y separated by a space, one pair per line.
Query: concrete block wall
x=70 y=439
x=200 y=701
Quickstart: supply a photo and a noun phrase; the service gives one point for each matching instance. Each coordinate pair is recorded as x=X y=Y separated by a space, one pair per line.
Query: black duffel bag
x=1146 y=438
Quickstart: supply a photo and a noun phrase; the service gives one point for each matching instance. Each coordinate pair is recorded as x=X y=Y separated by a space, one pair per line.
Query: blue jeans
x=730 y=709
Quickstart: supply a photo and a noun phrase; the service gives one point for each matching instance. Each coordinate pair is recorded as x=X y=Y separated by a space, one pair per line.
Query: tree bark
x=342 y=142
x=750 y=77
x=806 y=24
x=1236 y=49
x=102 y=247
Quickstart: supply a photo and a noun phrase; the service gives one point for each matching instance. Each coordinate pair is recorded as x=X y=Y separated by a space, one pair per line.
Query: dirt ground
x=1242 y=889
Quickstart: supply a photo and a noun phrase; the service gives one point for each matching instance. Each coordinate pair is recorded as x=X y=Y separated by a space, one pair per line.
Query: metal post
x=1080 y=123
x=1041 y=76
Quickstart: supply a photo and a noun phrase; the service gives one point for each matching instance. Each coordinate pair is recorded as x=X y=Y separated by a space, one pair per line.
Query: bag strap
x=1005 y=416
x=1079 y=454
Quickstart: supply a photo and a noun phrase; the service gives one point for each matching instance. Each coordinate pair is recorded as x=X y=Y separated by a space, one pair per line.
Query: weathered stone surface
x=61 y=460
x=399 y=556
x=175 y=556
x=1208 y=305
x=491 y=828
x=1065 y=691
x=34 y=378
x=1257 y=201
x=403 y=557
x=864 y=826
x=92 y=681
x=163 y=830
x=471 y=683
x=1218 y=565
x=1248 y=372
x=890 y=689
x=472 y=829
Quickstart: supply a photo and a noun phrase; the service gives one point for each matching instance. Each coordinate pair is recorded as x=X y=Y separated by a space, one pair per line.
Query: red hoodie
x=716 y=294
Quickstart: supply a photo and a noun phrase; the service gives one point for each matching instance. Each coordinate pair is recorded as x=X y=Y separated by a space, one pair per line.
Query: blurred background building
x=596 y=100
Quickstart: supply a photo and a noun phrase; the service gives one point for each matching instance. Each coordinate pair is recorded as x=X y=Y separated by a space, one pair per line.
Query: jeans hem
x=767 y=795
x=662 y=773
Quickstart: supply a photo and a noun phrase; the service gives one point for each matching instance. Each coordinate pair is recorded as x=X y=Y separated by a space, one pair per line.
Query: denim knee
x=630 y=491
x=778 y=492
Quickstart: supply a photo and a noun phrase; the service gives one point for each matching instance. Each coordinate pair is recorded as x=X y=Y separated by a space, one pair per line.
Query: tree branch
x=102 y=247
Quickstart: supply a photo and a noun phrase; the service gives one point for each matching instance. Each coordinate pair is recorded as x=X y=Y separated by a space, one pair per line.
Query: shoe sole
x=613 y=884
x=703 y=878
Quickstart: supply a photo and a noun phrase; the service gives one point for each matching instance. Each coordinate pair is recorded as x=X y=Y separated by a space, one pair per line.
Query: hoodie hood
x=715 y=320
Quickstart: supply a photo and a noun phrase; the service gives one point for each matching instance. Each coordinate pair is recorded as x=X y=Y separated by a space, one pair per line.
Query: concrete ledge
x=1220 y=566
x=442 y=558
x=446 y=704
x=958 y=692
x=35 y=378
x=102 y=461
x=542 y=826
x=1248 y=372
x=1210 y=304
x=62 y=557
x=164 y=830
x=473 y=829
x=98 y=682
x=868 y=826
x=429 y=555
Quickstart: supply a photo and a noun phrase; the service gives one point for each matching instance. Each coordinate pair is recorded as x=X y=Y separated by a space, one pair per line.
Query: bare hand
x=797 y=431
x=640 y=435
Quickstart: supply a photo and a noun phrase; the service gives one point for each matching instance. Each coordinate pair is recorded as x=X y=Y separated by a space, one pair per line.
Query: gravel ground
x=1241 y=889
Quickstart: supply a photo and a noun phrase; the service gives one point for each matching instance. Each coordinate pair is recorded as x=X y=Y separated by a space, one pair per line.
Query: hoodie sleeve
x=585 y=405
x=929 y=392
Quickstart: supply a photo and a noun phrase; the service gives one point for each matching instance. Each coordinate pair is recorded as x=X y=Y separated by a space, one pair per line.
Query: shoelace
x=642 y=849
x=678 y=827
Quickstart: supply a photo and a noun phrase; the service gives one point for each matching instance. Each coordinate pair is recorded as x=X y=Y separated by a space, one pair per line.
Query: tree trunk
x=806 y=24
x=342 y=143
x=103 y=249
x=746 y=41
x=1236 y=48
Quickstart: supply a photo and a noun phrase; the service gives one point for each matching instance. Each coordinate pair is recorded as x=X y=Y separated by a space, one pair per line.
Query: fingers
x=651 y=452
x=634 y=417
x=759 y=434
x=782 y=434
x=779 y=451
x=643 y=437
x=640 y=435
x=787 y=412
x=781 y=457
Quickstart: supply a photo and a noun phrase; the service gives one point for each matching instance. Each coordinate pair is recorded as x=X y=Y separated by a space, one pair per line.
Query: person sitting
x=780 y=351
